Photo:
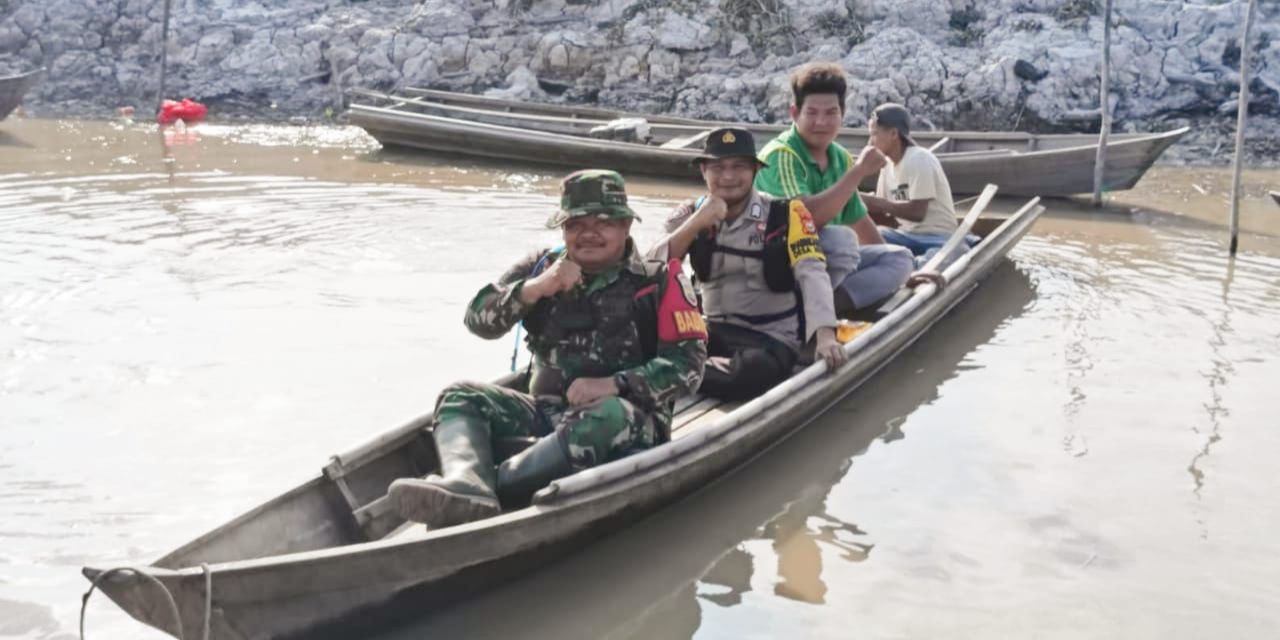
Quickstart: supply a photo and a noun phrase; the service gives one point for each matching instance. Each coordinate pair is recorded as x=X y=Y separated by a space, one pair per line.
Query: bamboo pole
x=1100 y=162
x=164 y=55
x=1242 y=115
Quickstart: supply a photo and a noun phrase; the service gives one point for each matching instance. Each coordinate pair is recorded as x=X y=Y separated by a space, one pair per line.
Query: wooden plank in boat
x=708 y=417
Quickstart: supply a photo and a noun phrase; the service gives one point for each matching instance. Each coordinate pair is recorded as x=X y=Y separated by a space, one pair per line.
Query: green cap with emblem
x=598 y=192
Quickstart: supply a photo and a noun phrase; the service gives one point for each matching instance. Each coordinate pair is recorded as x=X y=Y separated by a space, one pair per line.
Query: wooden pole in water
x=1100 y=162
x=1242 y=114
x=164 y=54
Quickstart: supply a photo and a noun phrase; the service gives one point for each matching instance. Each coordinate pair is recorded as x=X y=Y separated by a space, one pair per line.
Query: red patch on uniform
x=678 y=316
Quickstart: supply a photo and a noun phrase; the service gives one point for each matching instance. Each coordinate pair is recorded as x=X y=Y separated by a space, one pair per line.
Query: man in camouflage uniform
x=615 y=340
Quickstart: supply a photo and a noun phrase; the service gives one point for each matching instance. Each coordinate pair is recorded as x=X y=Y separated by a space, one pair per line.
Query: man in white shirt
x=912 y=192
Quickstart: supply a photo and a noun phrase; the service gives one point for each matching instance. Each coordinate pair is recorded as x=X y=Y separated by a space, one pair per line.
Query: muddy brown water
x=1084 y=448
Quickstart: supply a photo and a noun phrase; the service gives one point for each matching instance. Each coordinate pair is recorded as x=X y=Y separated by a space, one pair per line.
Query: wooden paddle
x=962 y=229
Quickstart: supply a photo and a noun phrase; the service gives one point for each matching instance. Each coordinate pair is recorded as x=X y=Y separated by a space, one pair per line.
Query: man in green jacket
x=615 y=341
x=806 y=162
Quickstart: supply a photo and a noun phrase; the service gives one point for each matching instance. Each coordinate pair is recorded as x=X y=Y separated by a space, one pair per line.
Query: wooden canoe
x=330 y=548
x=12 y=88
x=457 y=124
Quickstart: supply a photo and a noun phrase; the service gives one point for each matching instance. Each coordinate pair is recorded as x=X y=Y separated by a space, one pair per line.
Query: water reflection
x=10 y=140
x=728 y=579
x=1217 y=378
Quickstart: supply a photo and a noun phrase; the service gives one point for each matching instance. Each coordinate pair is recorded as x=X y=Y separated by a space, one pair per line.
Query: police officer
x=615 y=340
x=762 y=275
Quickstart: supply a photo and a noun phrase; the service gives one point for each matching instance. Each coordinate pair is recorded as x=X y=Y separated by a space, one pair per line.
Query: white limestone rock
x=682 y=33
x=522 y=84
x=664 y=66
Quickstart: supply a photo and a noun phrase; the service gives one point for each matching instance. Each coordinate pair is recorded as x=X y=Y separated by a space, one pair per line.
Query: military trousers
x=603 y=430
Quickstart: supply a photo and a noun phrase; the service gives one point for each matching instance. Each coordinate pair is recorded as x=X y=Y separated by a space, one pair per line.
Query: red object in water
x=187 y=110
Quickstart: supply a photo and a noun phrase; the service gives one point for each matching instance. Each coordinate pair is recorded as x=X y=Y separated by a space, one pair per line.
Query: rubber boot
x=465 y=490
x=521 y=475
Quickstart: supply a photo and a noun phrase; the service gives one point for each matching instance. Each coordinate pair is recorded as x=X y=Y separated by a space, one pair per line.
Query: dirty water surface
x=1083 y=448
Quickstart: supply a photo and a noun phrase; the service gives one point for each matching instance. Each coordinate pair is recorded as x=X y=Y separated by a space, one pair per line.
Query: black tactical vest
x=615 y=311
x=778 y=275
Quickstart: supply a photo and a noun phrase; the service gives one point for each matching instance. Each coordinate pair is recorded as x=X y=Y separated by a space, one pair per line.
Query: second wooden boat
x=454 y=124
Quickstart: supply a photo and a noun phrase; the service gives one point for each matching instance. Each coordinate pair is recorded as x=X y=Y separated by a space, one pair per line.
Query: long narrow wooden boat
x=1275 y=195
x=12 y=88
x=1022 y=163
x=331 y=548
x=577 y=120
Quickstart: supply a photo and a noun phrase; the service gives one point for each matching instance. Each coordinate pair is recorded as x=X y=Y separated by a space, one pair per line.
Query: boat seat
x=699 y=406
x=708 y=412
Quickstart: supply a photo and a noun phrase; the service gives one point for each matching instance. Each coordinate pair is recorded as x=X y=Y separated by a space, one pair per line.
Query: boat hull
x=13 y=88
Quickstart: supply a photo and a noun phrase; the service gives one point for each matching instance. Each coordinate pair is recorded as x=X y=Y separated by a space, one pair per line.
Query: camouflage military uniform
x=634 y=321
x=583 y=333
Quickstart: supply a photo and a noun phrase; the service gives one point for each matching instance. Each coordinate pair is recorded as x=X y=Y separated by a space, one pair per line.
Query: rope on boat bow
x=168 y=595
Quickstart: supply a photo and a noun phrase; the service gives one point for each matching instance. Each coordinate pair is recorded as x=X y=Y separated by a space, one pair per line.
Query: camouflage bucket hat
x=591 y=192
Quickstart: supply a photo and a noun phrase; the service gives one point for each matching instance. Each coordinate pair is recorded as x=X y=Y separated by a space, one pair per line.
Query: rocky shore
x=959 y=64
